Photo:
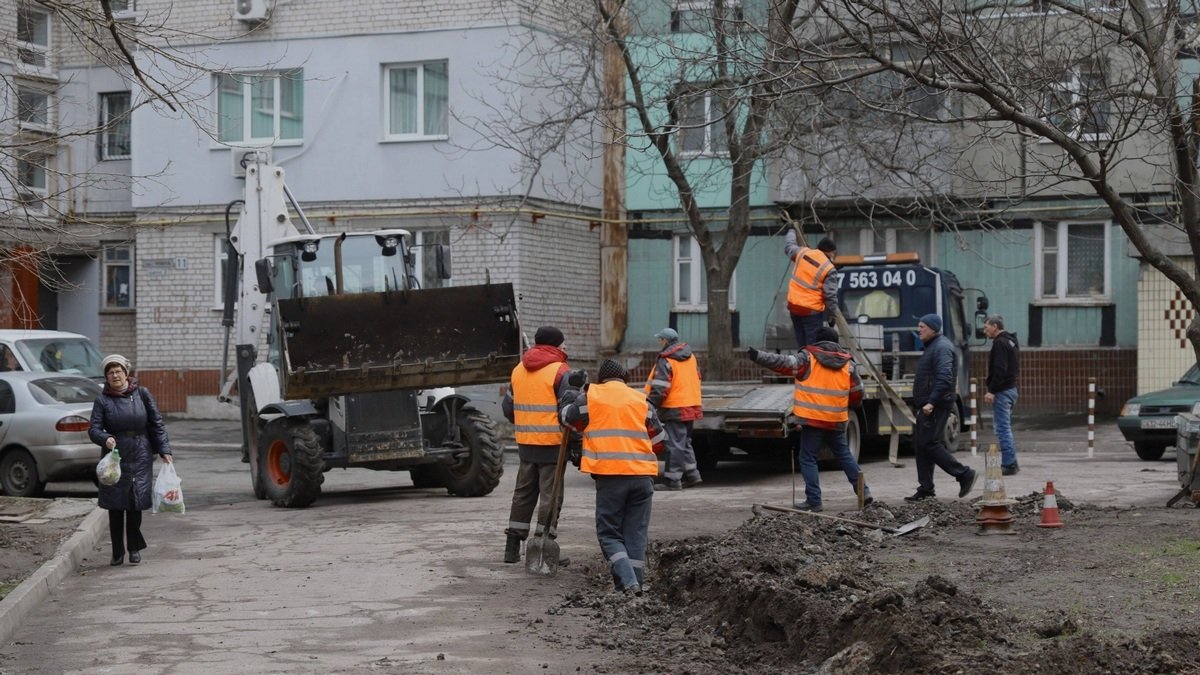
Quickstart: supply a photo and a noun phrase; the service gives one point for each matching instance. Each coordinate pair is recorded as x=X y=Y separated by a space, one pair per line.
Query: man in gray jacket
x=934 y=398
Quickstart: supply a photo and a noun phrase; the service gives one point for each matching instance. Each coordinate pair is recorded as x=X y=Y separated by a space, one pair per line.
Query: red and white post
x=1091 y=417
x=973 y=420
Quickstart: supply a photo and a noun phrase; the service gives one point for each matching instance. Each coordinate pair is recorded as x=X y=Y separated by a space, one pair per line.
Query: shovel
x=541 y=553
x=896 y=531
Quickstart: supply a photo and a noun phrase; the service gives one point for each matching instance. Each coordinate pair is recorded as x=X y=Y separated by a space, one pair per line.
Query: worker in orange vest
x=531 y=404
x=620 y=432
x=812 y=291
x=827 y=387
x=673 y=388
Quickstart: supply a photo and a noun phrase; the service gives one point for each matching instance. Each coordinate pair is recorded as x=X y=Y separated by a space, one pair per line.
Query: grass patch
x=7 y=587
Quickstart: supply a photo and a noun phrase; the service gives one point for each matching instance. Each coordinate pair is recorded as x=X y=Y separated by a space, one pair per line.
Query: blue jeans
x=1002 y=405
x=811 y=440
x=623 y=525
x=805 y=328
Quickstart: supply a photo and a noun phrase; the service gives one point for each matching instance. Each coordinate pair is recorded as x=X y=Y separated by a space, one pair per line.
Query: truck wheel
x=854 y=436
x=290 y=463
x=1149 y=451
x=254 y=440
x=708 y=451
x=19 y=474
x=478 y=472
x=953 y=429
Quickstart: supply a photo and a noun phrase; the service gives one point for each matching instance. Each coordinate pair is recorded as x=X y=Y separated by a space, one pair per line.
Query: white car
x=44 y=421
x=49 y=351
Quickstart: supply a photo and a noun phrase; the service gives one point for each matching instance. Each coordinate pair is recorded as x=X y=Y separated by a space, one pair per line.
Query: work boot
x=668 y=486
x=1009 y=469
x=919 y=496
x=867 y=498
x=692 y=480
x=808 y=506
x=512 y=549
x=966 y=483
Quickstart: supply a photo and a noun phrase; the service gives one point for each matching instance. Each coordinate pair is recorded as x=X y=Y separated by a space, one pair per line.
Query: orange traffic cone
x=1050 y=508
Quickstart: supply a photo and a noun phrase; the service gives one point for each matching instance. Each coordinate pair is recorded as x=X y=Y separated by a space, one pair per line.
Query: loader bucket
x=419 y=339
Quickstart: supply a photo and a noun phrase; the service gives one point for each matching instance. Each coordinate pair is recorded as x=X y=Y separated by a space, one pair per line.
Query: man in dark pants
x=933 y=395
x=620 y=431
x=827 y=387
x=531 y=404
x=1003 y=367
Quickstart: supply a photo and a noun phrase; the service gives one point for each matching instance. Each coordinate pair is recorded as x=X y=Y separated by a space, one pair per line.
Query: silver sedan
x=43 y=431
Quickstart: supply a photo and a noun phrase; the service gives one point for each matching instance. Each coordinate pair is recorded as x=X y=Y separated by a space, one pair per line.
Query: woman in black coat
x=126 y=417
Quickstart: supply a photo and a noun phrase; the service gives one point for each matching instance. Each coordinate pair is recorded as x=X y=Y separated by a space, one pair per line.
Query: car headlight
x=1132 y=409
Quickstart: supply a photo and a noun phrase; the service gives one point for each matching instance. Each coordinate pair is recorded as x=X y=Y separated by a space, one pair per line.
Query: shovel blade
x=541 y=556
x=909 y=527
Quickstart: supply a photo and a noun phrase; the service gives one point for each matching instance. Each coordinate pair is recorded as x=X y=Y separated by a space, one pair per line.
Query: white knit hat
x=117 y=359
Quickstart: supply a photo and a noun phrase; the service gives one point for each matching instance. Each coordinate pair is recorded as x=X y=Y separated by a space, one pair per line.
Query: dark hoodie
x=534 y=359
x=827 y=354
x=664 y=376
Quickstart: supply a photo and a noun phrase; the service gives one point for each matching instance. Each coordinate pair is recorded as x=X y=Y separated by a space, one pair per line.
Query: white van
x=49 y=351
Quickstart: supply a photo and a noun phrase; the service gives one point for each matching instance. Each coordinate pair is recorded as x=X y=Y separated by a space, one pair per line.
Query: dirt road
x=379 y=577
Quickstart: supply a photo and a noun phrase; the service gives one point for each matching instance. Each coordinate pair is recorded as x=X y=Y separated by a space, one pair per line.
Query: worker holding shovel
x=827 y=386
x=620 y=431
x=531 y=404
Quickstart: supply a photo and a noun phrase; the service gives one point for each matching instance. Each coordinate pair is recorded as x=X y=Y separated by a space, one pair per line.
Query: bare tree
x=1068 y=97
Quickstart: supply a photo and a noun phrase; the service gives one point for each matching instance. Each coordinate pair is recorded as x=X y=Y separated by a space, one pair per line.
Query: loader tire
x=254 y=440
x=291 y=466
x=477 y=473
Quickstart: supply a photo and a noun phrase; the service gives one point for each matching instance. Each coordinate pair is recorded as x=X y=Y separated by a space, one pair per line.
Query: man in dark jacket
x=1003 y=367
x=827 y=387
x=934 y=391
x=673 y=388
x=531 y=404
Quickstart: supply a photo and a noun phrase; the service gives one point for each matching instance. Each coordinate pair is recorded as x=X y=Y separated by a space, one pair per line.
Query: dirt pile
x=792 y=593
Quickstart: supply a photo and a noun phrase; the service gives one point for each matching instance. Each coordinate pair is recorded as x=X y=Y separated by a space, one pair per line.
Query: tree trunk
x=720 y=331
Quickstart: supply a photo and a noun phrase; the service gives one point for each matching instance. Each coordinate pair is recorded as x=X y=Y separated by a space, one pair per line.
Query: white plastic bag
x=108 y=469
x=168 y=495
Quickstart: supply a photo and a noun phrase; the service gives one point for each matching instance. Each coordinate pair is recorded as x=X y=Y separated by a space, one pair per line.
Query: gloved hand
x=577 y=378
x=575 y=449
x=752 y=354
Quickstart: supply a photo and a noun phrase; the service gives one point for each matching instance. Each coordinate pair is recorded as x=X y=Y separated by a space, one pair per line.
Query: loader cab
x=307 y=266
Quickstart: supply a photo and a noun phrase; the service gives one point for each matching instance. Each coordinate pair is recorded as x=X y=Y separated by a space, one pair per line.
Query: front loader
x=360 y=360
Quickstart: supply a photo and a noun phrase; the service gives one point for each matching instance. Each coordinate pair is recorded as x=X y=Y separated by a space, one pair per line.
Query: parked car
x=49 y=351
x=43 y=431
x=1148 y=420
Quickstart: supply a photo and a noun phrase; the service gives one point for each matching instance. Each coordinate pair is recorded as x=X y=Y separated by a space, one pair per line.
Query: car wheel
x=1149 y=451
x=19 y=474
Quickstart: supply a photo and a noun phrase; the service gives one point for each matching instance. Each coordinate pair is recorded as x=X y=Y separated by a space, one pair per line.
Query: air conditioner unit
x=251 y=11
x=242 y=156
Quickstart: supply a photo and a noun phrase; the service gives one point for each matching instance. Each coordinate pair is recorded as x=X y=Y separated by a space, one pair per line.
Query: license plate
x=1158 y=423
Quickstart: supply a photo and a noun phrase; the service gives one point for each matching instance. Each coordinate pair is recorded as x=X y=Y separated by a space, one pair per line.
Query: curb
x=31 y=592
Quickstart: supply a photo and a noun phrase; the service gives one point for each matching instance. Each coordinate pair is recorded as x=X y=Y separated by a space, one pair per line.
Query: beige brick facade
x=1164 y=352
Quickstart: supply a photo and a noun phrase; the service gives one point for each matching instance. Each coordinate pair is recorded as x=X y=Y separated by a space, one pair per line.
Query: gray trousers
x=623 y=526
x=681 y=459
x=533 y=481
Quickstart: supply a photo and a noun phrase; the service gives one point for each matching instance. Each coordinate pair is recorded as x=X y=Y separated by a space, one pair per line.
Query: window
x=417 y=101
x=118 y=277
x=691 y=286
x=701 y=124
x=260 y=106
x=696 y=16
x=115 y=138
x=33 y=108
x=122 y=8
x=1079 y=105
x=32 y=182
x=1071 y=261
x=427 y=270
x=875 y=241
x=221 y=258
x=8 y=402
x=33 y=36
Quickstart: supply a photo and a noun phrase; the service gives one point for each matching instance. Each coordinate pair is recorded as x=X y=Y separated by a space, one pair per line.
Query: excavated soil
x=1114 y=591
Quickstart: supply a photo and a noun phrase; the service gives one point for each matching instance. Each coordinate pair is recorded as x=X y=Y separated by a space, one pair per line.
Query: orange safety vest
x=808 y=279
x=615 y=442
x=535 y=407
x=824 y=393
x=684 y=391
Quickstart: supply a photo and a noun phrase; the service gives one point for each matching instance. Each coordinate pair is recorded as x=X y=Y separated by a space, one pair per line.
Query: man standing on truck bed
x=531 y=404
x=620 y=431
x=813 y=288
x=827 y=386
x=934 y=390
x=673 y=388
x=1003 y=367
